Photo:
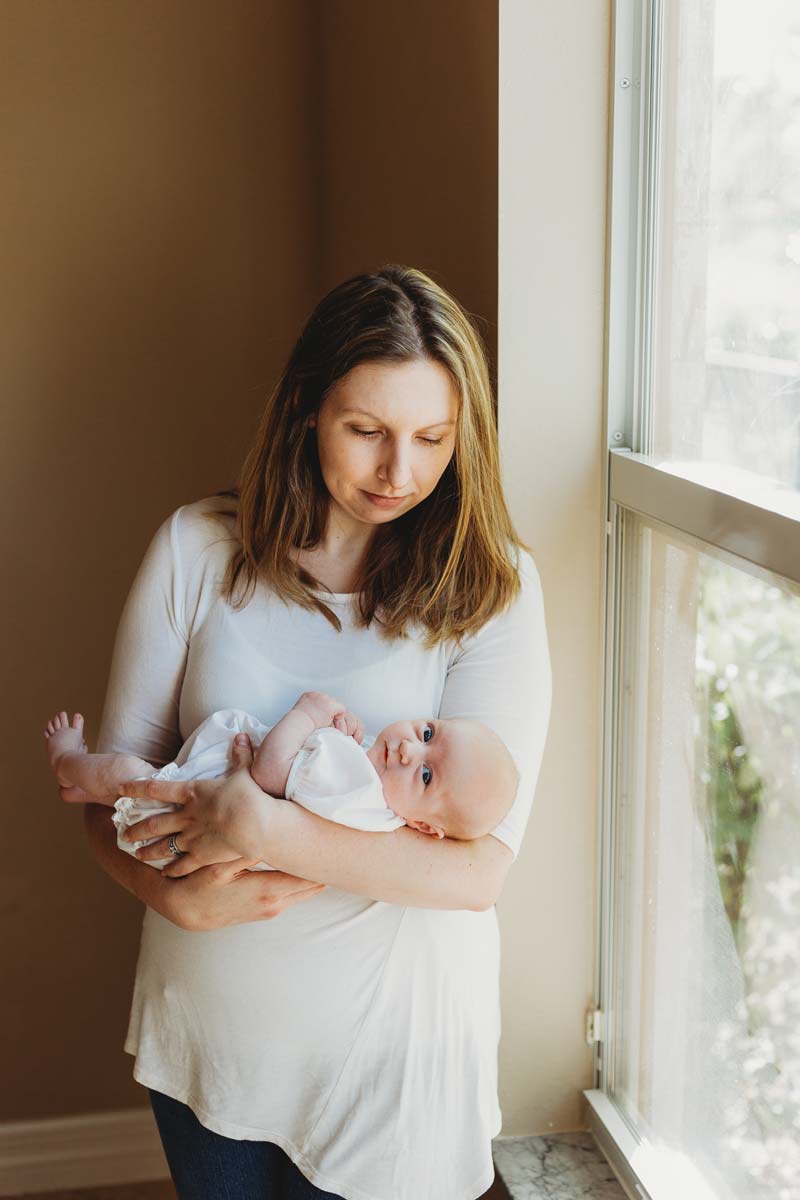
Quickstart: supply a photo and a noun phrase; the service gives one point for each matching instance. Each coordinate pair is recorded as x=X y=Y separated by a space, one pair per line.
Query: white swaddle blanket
x=331 y=775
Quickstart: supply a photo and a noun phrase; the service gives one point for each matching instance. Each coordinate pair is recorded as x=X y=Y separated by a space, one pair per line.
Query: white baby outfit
x=331 y=775
x=358 y=1035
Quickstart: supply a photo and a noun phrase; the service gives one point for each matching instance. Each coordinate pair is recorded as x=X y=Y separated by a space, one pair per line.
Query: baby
x=446 y=778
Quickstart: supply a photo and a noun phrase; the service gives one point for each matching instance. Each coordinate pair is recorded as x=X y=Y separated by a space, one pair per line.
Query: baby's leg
x=93 y=777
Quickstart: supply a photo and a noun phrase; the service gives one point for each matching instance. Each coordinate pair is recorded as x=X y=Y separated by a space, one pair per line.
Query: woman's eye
x=427 y=733
x=432 y=441
x=427 y=775
x=365 y=433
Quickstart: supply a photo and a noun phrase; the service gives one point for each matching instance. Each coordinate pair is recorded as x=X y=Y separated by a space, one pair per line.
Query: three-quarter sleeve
x=501 y=676
x=140 y=715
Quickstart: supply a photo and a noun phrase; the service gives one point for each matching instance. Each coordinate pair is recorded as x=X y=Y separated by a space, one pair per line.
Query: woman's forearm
x=222 y=895
x=404 y=867
x=140 y=879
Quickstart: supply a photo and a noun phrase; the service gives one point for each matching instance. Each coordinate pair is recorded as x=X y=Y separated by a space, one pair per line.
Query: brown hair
x=448 y=564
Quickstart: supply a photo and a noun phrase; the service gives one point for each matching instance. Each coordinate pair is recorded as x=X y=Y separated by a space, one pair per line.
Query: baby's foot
x=64 y=739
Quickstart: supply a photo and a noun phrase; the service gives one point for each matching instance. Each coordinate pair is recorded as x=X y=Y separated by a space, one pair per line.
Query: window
x=698 y=1051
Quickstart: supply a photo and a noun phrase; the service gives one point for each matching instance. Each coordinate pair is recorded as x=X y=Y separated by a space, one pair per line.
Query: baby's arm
x=275 y=755
x=88 y=777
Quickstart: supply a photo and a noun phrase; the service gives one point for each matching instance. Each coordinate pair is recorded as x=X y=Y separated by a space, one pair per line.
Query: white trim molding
x=734 y=510
x=92 y=1150
x=645 y=1170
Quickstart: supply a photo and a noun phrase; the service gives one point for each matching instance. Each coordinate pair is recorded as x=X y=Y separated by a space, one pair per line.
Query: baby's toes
x=77 y=722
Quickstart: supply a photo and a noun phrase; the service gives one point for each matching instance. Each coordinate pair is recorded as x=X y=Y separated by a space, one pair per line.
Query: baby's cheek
x=392 y=792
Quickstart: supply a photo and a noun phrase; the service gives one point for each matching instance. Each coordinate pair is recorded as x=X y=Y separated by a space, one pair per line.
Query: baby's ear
x=424 y=827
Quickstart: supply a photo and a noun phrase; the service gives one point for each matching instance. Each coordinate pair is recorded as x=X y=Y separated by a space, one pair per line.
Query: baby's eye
x=427 y=775
x=427 y=733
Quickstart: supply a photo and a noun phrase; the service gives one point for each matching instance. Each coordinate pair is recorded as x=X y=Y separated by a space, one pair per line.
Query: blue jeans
x=208 y=1166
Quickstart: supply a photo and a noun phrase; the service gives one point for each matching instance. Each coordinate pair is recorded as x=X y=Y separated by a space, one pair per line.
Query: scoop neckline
x=324 y=595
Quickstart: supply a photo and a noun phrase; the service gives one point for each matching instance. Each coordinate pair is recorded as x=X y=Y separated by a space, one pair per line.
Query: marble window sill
x=561 y=1166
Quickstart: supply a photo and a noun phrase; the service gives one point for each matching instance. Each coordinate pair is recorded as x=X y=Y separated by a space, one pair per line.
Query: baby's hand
x=349 y=724
x=325 y=710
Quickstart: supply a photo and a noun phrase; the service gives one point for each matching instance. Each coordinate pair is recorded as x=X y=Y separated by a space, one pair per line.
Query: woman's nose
x=396 y=467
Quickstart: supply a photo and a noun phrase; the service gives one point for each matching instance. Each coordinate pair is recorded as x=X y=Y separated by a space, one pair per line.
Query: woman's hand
x=211 y=898
x=229 y=894
x=216 y=820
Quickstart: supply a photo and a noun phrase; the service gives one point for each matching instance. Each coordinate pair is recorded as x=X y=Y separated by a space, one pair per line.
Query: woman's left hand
x=216 y=820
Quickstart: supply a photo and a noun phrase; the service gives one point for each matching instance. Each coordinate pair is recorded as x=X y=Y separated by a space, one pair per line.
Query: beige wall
x=552 y=182
x=183 y=179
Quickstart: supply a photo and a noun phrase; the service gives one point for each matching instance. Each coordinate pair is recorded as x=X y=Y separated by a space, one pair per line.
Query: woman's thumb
x=242 y=751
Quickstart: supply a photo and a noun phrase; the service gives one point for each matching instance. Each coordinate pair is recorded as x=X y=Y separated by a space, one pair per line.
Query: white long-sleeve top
x=330 y=775
x=359 y=1036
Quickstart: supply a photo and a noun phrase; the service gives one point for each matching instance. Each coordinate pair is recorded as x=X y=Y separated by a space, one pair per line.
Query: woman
x=331 y=1028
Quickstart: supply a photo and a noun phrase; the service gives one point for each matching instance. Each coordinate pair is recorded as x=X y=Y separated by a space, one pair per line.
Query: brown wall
x=409 y=143
x=183 y=179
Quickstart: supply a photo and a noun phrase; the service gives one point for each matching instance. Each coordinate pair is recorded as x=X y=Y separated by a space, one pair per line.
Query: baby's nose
x=408 y=750
x=405 y=751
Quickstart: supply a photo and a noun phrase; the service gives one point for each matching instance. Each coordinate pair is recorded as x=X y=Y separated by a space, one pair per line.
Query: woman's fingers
x=184 y=864
x=290 y=898
x=280 y=891
x=168 y=791
x=214 y=897
x=194 y=858
x=292 y=885
x=160 y=826
x=155 y=850
x=235 y=868
x=280 y=887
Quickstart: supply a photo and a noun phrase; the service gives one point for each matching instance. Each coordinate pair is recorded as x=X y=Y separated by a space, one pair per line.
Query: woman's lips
x=384 y=501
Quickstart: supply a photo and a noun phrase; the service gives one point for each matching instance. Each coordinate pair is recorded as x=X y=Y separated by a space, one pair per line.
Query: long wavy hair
x=451 y=562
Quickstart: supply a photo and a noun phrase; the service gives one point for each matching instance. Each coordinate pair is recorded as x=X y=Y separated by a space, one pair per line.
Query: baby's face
x=429 y=768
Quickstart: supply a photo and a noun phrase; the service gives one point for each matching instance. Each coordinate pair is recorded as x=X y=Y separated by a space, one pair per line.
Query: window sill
x=561 y=1166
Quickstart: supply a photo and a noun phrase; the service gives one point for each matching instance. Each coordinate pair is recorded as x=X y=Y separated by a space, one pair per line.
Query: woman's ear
x=312 y=421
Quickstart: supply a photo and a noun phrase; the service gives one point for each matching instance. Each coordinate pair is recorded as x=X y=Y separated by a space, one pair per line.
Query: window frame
x=758 y=529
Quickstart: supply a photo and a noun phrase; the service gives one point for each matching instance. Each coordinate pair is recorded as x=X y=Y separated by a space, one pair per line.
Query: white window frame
x=759 y=527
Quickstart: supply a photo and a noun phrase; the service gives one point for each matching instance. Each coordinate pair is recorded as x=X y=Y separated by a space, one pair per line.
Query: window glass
x=707 y=867
x=726 y=350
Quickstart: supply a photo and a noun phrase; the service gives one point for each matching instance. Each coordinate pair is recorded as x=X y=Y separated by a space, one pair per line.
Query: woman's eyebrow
x=361 y=412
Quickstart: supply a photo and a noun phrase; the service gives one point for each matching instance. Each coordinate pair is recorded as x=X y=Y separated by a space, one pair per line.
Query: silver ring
x=173 y=846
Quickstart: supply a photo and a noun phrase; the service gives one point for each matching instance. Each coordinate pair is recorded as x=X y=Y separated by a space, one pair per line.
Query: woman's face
x=385 y=433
